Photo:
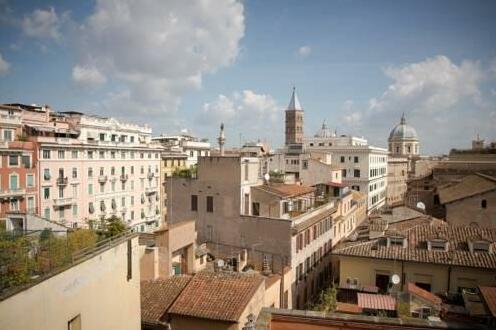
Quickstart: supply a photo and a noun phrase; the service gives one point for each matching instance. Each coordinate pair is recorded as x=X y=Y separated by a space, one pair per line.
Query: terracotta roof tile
x=286 y=190
x=469 y=186
x=348 y=308
x=416 y=250
x=217 y=296
x=158 y=295
x=489 y=294
x=376 y=301
x=424 y=294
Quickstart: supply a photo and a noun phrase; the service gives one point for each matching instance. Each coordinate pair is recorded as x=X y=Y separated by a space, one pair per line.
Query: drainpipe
x=449 y=278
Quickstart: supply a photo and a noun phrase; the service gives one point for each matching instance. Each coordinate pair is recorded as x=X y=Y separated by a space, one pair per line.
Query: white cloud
x=432 y=85
x=254 y=115
x=88 y=76
x=304 y=51
x=353 y=119
x=246 y=107
x=4 y=65
x=44 y=24
x=158 y=50
x=435 y=94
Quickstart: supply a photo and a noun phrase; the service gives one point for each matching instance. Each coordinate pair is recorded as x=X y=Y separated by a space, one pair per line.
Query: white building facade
x=105 y=168
x=191 y=146
x=364 y=167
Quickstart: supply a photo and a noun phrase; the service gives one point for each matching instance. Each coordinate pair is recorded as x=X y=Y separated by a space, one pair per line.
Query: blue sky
x=174 y=65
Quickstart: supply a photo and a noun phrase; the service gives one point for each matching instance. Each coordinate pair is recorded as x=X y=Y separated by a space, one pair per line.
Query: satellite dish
x=421 y=206
x=395 y=279
x=267 y=177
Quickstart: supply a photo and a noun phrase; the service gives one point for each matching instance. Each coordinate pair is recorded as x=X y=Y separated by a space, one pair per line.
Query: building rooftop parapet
x=75 y=258
x=331 y=320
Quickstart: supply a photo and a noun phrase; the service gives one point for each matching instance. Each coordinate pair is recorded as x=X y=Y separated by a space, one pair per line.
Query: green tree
x=327 y=300
x=113 y=226
x=81 y=239
x=186 y=172
x=16 y=266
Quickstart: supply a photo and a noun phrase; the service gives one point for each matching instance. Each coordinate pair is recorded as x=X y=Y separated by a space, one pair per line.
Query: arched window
x=483 y=203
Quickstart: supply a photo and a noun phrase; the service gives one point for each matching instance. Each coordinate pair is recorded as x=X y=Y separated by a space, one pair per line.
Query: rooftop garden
x=26 y=257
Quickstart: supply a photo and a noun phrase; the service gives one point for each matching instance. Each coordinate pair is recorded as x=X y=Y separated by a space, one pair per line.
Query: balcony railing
x=150 y=218
x=60 y=202
x=102 y=178
x=12 y=192
x=150 y=190
x=62 y=181
x=124 y=177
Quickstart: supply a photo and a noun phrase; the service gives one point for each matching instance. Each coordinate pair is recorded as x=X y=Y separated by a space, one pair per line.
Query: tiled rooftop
x=424 y=294
x=158 y=295
x=416 y=250
x=286 y=190
x=489 y=295
x=469 y=186
x=217 y=296
x=376 y=301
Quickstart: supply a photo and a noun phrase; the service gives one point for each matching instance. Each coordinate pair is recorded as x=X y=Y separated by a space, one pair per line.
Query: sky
x=189 y=65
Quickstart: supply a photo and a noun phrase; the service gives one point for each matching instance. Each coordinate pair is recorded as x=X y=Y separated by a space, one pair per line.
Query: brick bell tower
x=294 y=121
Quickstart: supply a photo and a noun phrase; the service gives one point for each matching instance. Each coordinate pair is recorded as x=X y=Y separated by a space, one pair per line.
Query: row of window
x=312 y=261
x=14 y=182
x=62 y=213
x=74 y=172
x=209 y=203
x=18 y=161
x=356 y=173
x=377 y=171
x=91 y=154
x=62 y=189
x=355 y=159
x=14 y=204
x=305 y=238
x=377 y=159
x=115 y=138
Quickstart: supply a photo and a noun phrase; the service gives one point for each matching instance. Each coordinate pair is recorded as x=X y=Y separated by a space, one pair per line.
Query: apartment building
x=18 y=171
x=190 y=145
x=99 y=168
x=364 y=167
x=434 y=255
x=87 y=167
x=171 y=161
x=277 y=225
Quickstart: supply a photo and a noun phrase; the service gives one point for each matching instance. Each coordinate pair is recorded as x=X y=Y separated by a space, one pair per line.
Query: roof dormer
x=479 y=244
x=438 y=244
x=396 y=239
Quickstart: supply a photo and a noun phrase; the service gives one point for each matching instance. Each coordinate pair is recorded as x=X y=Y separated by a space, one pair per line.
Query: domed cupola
x=324 y=132
x=403 y=132
x=403 y=140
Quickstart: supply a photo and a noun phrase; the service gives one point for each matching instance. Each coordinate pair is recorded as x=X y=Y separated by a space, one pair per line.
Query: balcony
x=150 y=175
x=61 y=202
x=151 y=218
x=151 y=190
x=102 y=178
x=18 y=192
x=11 y=120
x=62 y=181
x=124 y=177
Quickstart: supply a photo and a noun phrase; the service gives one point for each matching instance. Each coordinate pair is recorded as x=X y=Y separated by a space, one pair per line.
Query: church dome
x=323 y=132
x=403 y=132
